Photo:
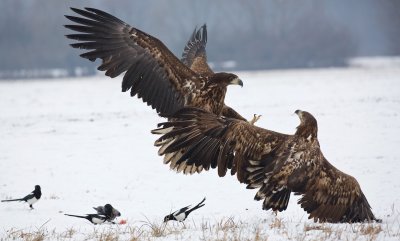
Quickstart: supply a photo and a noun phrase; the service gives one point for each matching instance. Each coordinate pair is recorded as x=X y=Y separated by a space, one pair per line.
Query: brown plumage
x=275 y=163
x=153 y=73
x=194 y=54
x=195 y=57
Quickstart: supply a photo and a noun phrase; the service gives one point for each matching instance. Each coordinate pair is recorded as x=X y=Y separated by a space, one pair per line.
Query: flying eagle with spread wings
x=152 y=71
x=277 y=164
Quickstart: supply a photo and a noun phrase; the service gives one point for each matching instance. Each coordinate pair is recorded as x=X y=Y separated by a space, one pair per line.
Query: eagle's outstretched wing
x=152 y=71
x=195 y=57
x=333 y=196
x=275 y=163
x=198 y=140
x=194 y=54
x=328 y=194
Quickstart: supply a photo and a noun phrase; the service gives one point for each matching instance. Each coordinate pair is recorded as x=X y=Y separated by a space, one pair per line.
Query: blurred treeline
x=255 y=34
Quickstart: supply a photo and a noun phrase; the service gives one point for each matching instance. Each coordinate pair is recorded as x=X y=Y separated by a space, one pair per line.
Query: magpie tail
x=13 y=200
x=98 y=209
x=77 y=216
x=199 y=205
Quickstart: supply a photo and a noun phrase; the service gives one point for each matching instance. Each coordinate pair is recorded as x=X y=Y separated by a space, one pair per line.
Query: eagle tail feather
x=277 y=200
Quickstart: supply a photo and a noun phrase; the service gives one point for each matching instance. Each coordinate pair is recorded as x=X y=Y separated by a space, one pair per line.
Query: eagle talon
x=255 y=119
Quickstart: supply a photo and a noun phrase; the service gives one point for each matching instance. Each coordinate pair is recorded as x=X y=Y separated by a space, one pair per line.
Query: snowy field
x=88 y=144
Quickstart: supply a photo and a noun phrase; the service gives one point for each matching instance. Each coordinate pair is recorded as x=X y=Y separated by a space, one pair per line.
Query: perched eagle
x=275 y=163
x=153 y=73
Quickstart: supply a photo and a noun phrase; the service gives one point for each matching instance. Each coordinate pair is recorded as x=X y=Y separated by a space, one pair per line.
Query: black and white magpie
x=181 y=214
x=93 y=218
x=31 y=198
x=108 y=210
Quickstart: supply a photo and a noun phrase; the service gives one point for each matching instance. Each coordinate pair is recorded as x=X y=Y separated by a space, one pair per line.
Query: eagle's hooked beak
x=237 y=81
x=298 y=113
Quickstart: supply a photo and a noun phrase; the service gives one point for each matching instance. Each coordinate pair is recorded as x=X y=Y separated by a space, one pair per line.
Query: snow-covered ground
x=88 y=144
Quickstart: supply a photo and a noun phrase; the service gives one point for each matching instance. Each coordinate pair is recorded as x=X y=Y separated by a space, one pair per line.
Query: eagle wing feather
x=195 y=57
x=151 y=68
x=334 y=196
x=208 y=140
x=194 y=54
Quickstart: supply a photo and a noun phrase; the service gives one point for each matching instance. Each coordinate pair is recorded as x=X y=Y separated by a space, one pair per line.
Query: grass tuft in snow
x=14 y=234
x=227 y=228
x=157 y=229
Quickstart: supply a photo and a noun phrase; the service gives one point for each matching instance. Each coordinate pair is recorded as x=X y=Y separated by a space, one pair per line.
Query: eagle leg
x=255 y=119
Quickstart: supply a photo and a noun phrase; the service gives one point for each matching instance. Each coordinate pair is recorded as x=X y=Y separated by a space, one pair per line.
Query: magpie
x=93 y=218
x=181 y=214
x=108 y=210
x=31 y=198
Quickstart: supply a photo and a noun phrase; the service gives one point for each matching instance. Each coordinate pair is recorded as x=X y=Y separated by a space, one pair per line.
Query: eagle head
x=226 y=79
x=308 y=127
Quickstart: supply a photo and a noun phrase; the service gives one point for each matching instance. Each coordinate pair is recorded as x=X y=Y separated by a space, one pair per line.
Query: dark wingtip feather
x=84 y=55
x=77 y=10
x=69 y=17
x=81 y=37
x=103 y=14
x=72 y=27
x=96 y=11
x=204 y=27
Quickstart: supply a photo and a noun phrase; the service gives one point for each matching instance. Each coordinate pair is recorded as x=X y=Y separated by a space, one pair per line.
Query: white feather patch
x=97 y=220
x=165 y=146
x=32 y=200
x=163 y=130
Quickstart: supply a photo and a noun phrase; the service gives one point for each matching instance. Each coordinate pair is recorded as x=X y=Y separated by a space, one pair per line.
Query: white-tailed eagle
x=153 y=72
x=277 y=164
